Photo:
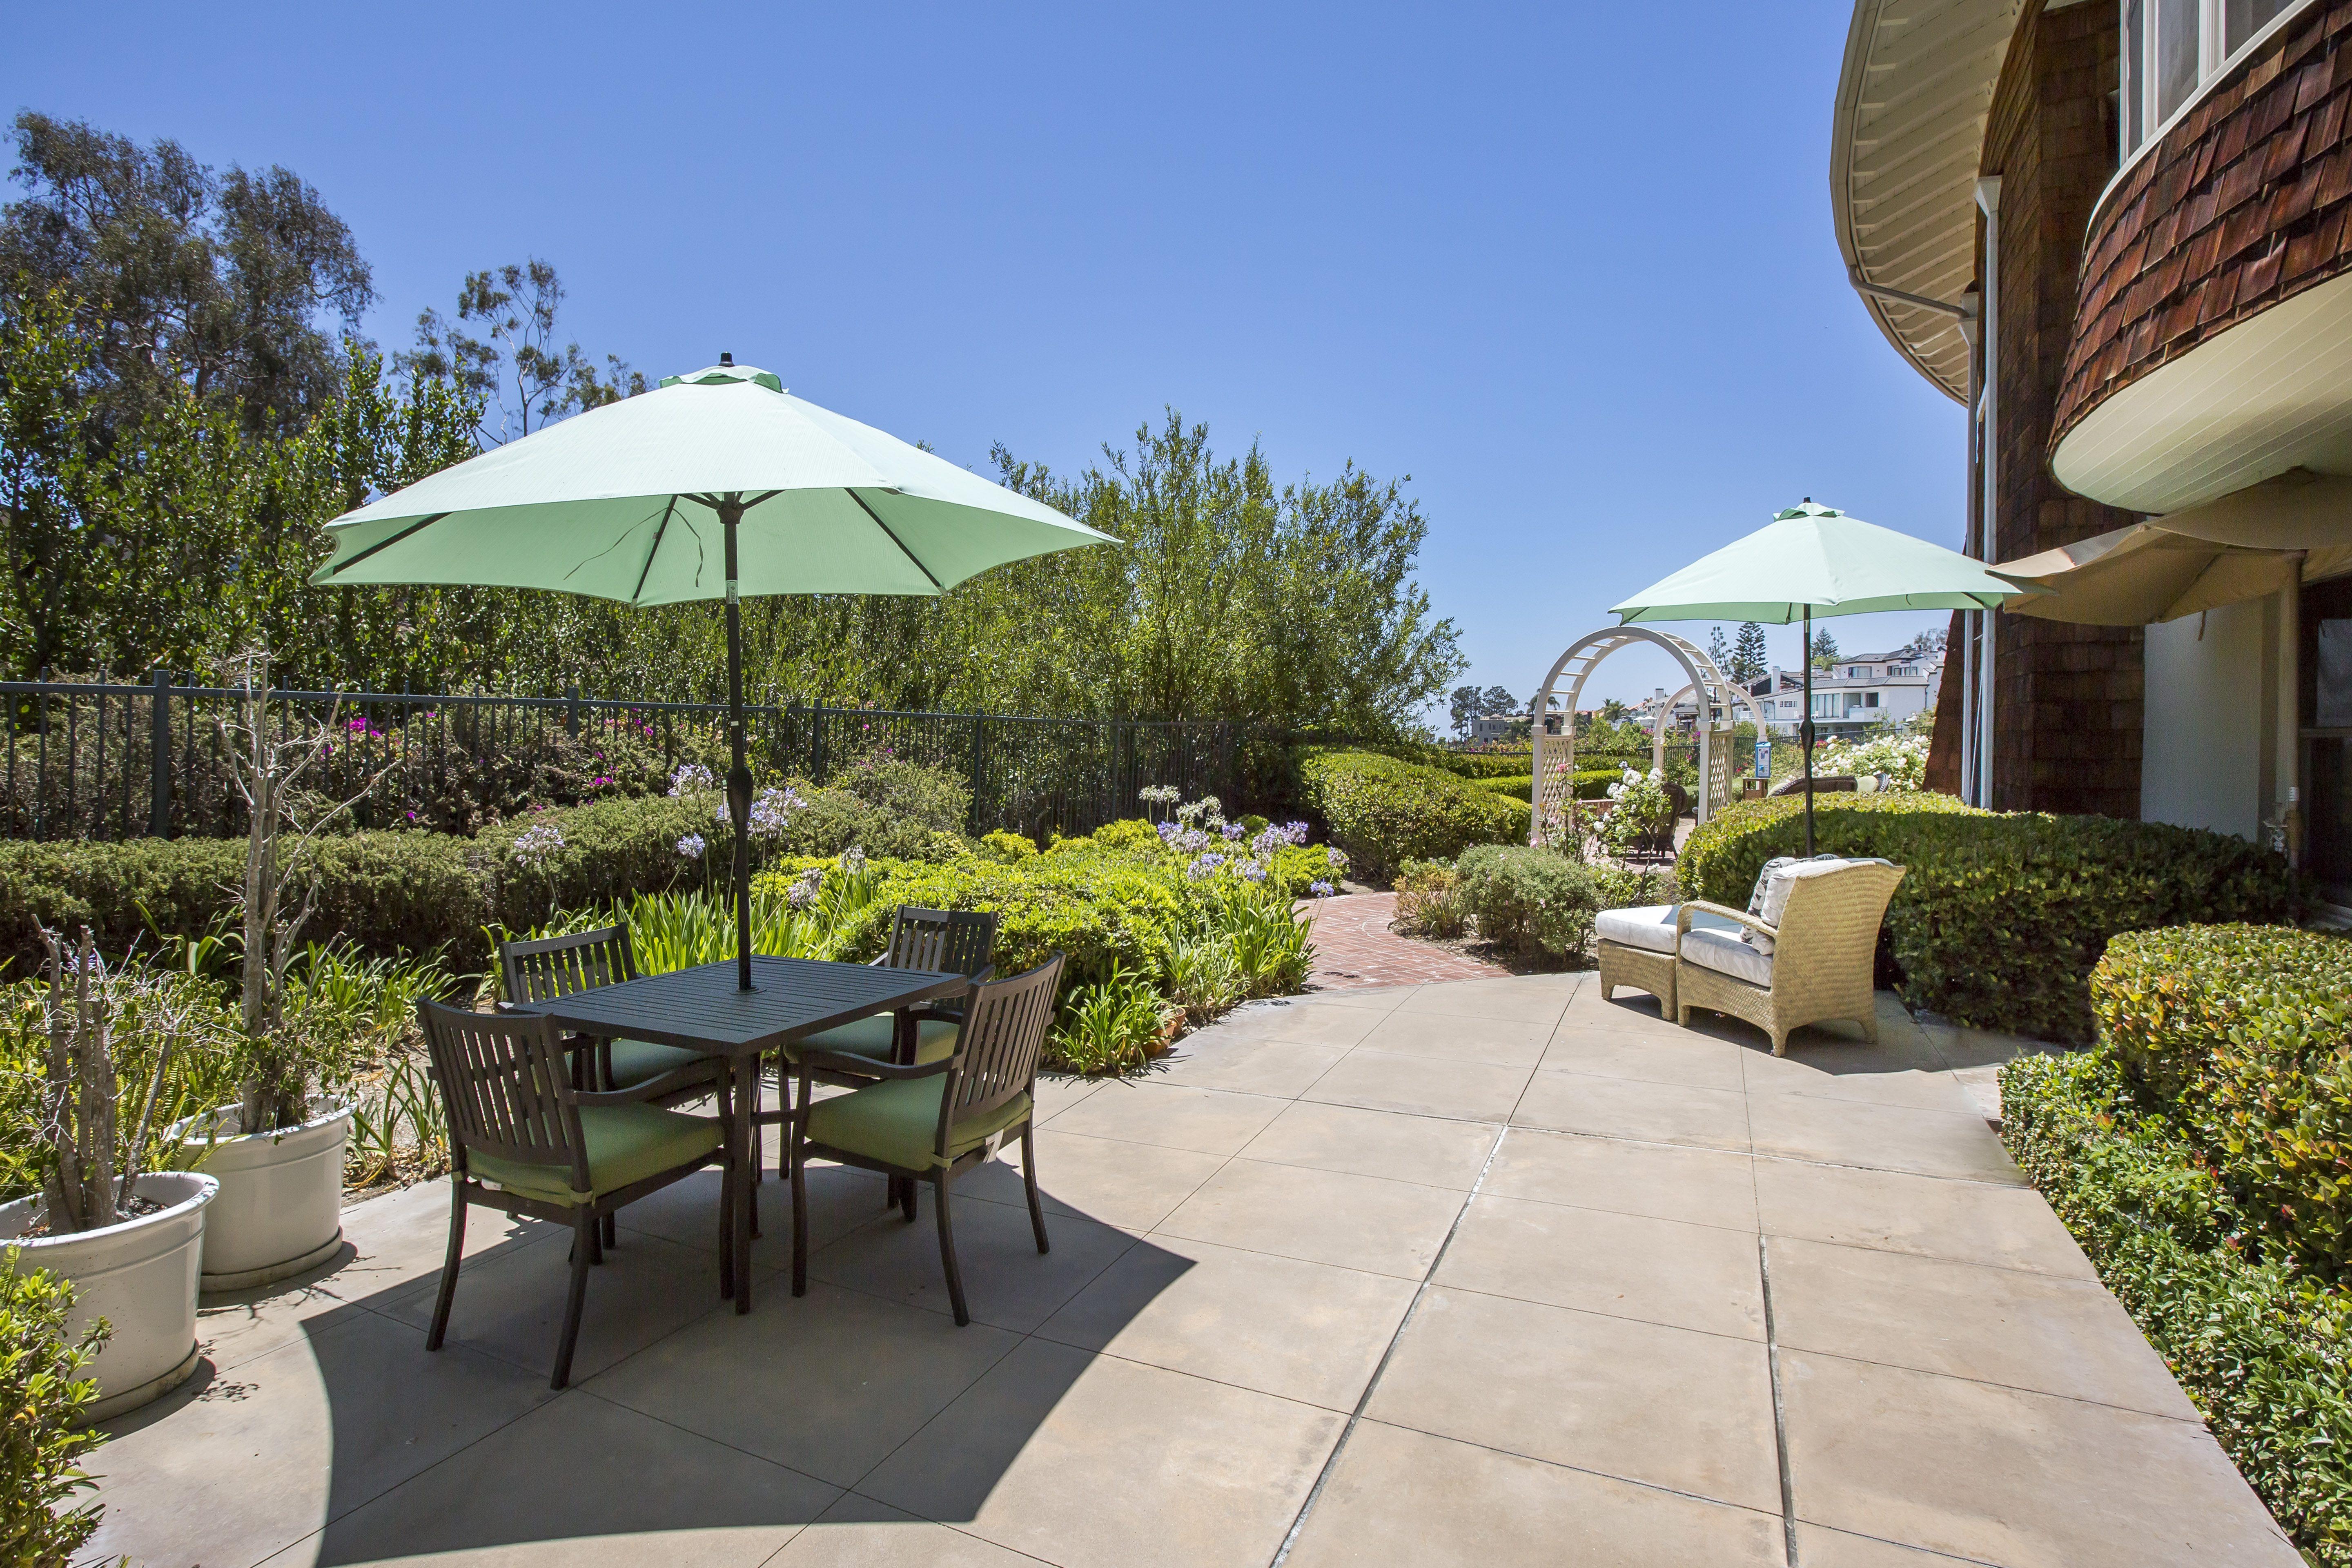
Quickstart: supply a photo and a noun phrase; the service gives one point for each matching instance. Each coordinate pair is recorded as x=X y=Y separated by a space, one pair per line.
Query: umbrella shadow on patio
x=688 y=1432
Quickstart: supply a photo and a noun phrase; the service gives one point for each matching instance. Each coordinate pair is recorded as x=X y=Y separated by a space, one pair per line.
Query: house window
x=2172 y=47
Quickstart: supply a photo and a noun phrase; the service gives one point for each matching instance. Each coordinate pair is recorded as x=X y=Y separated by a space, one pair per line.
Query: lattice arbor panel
x=1556 y=822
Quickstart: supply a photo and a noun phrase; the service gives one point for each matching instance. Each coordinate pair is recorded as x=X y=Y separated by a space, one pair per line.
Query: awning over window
x=2256 y=541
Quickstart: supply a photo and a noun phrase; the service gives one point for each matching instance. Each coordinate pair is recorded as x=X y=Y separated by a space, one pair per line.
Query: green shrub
x=1204 y=979
x=1007 y=849
x=1528 y=901
x=1266 y=937
x=2002 y=915
x=1622 y=888
x=1097 y=910
x=894 y=809
x=1585 y=784
x=1522 y=784
x=1429 y=900
x=1484 y=764
x=2243 y=1034
x=2259 y=1346
x=1133 y=836
x=1384 y=812
x=42 y=1396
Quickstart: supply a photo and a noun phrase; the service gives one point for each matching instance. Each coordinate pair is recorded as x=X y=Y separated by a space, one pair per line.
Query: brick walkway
x=1354 y=947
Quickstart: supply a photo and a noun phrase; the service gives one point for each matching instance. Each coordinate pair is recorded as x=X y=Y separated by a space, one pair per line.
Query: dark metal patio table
x=701 y=1009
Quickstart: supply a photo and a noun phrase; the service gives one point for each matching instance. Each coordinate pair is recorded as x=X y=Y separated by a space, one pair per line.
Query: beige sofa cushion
x=1723 y=951
x=1651 y=928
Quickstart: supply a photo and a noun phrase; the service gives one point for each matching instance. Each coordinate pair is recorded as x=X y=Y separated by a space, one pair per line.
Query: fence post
x=817 y=741
x=572 y=713
x=159 y=768
x=979 y=763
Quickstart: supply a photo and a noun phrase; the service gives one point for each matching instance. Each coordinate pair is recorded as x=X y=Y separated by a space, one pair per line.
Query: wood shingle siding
x=2242 y=204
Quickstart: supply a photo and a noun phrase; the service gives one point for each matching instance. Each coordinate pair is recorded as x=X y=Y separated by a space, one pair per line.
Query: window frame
x=2141 y=74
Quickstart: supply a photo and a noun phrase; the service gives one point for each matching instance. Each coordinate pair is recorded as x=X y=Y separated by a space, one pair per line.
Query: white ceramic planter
x=280 y=1209
x=139 y=1275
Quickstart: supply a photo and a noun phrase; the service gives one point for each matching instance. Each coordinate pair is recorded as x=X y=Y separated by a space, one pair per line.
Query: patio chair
x=524 y=1141
x=1803 y=957
x=565 y=965
x=935 y=1120
x=957 y=941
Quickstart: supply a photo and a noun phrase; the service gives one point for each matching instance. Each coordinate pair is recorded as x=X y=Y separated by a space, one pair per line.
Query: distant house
x=1851 y=695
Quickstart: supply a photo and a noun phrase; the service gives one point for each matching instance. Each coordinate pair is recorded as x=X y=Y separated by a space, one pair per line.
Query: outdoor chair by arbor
x=1805 y=957
x=958 y=942
x=1637 y=950
x=934 y=1120
x=524 y=1141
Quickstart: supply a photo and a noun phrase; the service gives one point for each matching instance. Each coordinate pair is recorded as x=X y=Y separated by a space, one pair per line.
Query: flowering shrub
x=1640 y=811
x=691 y=846
x=1900 y=757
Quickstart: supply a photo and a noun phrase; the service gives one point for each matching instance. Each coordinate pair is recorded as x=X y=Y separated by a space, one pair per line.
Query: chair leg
x=947 y=1246
x=449 y=1265
x=798 y=1166
x=1029 y=1179
x=905 y=1197
x=726 y=1231
x=583 y=1244
x=612 y=1231
x=596 y=1241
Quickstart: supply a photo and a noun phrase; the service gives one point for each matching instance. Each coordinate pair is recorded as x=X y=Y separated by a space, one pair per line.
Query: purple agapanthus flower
x=1321 y=890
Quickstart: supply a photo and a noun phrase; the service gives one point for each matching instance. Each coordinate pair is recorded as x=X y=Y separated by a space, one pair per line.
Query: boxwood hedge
x=2257 y=1343
x=2003 y=914
x=2242 y=1035
x=1384 y=812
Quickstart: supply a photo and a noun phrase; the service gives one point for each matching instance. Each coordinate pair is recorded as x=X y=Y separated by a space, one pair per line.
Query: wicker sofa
x=1814 y=965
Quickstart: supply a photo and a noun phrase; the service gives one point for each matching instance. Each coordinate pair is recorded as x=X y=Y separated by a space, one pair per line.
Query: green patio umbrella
x=1816 y=561
x=717 y=485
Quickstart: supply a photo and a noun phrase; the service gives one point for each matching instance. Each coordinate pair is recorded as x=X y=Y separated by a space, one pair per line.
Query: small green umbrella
x=717 y=485
x=1816 y=561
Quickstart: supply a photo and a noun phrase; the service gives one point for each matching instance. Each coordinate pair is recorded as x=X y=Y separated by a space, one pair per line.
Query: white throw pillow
x=1771 y=897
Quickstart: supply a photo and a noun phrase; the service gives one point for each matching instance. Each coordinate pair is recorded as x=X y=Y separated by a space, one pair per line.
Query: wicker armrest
x=1700 y=906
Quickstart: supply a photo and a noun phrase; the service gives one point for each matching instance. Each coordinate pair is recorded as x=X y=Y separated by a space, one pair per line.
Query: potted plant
x=277 y=1152
x=128 y=1238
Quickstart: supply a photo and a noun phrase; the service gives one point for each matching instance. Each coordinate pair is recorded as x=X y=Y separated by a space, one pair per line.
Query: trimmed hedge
x=404 y=891
x=2003 y=914
x=1588 y=784
x=2257 y=1345
x=1384 y=812
x=2243 y=1034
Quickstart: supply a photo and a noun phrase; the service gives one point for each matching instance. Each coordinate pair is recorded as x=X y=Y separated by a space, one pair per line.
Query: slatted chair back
x=1003 y=1033
x=557 y=966
x=954 y=942
x=505 y=1087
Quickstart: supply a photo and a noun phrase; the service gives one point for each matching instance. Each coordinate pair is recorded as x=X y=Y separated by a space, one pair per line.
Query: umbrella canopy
x=1816 y=561
x=715 y=485
x=601 y=504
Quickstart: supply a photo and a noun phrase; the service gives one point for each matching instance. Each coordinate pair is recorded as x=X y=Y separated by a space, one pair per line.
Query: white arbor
x=1555 y=755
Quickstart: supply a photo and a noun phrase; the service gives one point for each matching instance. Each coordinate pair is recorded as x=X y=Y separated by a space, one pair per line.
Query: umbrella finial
x=726 y=358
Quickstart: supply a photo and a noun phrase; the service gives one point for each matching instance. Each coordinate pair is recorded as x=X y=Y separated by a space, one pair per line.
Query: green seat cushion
x=640 y=1061
x=627 y=1143
x=935 y=1039
x=897 y=1122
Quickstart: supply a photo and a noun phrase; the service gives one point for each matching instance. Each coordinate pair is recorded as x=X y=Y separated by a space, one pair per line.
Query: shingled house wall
x=2067 y=702
x=2245 y=203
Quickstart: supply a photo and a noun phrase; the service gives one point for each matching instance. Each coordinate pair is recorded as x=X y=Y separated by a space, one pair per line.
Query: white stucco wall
x=2200 y=762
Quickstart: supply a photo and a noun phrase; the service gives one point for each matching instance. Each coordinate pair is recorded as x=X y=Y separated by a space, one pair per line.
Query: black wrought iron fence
x=102 y=759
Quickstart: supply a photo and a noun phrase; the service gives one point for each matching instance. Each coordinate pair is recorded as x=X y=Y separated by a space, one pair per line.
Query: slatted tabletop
x=701 y=1009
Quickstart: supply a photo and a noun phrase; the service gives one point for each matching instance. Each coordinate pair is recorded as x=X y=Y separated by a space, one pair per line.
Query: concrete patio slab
x=1326 y=1282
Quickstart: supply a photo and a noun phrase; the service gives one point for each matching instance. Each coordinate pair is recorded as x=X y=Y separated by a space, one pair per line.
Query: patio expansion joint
x=1780 y=1404
x=1371 y=1384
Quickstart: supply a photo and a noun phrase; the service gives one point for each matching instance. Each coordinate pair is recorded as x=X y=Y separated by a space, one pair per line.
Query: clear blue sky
x=1594 y=311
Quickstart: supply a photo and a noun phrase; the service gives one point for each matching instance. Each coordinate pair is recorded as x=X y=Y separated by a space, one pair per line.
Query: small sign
x=1763 y=758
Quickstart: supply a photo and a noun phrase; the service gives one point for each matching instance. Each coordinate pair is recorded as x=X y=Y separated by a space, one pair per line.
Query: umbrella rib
x=386 y=543
x=648 y=568
x=901 y=543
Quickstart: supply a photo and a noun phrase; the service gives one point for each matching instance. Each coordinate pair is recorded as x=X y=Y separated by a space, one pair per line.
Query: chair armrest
x=867 y=1066
x=1700 y=906
x=676 y=1077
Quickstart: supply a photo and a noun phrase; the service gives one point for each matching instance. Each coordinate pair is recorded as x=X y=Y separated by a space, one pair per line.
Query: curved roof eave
x=1906 y=143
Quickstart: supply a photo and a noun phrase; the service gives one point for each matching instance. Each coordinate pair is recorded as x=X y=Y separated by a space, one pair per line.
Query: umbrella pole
x=1804 y=731
x=739 y=772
